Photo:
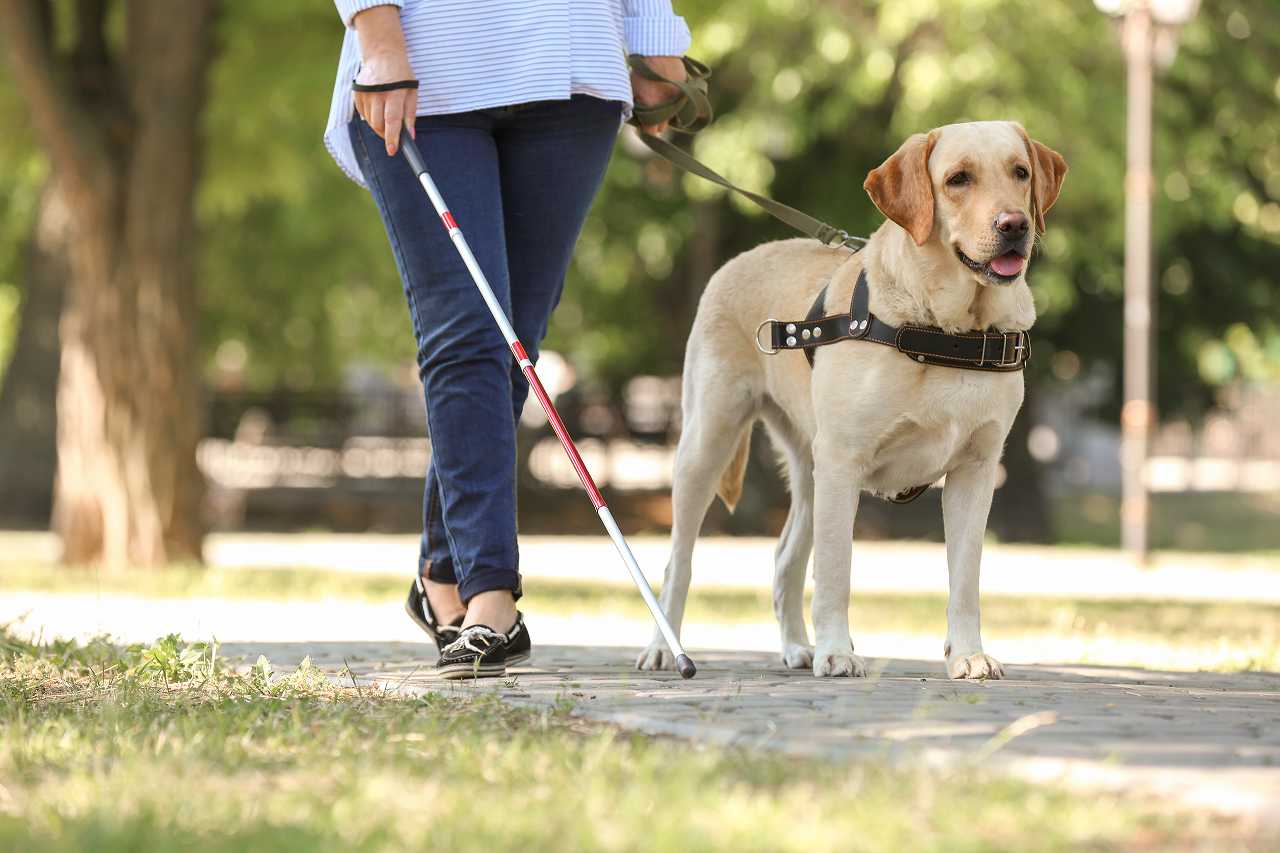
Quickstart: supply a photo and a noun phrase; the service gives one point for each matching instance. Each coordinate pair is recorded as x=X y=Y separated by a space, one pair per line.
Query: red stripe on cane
x=518 y=350
x=448 y=220
x=557 y=425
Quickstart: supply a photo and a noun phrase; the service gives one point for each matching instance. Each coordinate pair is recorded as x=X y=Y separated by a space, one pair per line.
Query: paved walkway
x=1204 y=740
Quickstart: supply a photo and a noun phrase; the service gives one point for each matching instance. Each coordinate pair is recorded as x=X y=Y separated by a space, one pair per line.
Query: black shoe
x=518 y=645
x=479 y=652
x=418 y=606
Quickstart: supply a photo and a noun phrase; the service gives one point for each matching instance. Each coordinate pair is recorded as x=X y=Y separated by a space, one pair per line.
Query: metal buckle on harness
x=772 y=349
x=1004 y=349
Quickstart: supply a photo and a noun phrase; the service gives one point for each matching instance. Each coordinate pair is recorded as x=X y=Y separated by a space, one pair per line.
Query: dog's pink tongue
x=1007 y=264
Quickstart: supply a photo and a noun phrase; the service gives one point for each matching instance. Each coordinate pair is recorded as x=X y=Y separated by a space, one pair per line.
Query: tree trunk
x=28 y=455
x=122 y=134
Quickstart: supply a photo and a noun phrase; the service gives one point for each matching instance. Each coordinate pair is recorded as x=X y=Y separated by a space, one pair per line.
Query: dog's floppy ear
x=1048 y=168
x=901 y=188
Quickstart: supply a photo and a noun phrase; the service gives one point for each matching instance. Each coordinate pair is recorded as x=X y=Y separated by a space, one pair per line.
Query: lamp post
x=1148 y=32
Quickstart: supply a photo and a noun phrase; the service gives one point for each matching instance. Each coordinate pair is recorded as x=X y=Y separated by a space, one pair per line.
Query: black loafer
x=479 y=652
x=519 y=648
x=418 y=606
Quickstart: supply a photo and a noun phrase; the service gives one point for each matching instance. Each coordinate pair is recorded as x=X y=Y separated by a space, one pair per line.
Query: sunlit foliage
x=298 y=284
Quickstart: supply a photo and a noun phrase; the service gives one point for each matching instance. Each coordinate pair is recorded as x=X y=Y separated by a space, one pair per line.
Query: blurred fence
x=355 y=460
x=1235 y=447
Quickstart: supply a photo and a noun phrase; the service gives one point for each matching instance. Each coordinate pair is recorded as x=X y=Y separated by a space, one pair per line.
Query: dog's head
x=980 y=190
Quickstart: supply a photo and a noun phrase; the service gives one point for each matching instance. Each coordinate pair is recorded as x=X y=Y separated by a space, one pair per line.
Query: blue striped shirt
x=478 y=54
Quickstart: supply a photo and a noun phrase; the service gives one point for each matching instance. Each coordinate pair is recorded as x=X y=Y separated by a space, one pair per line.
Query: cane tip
x=686 y=667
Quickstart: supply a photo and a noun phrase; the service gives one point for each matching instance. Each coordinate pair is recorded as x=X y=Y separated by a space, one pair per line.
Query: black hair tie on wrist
x=383 y=87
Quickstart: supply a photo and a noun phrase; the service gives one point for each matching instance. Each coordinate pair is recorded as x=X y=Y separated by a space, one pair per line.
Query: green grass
x=165 y=748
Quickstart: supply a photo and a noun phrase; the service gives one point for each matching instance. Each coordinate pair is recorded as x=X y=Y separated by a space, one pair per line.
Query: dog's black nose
x=1012 y=224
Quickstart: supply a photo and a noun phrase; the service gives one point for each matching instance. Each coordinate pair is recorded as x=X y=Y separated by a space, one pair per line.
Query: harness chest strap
x=996 y=352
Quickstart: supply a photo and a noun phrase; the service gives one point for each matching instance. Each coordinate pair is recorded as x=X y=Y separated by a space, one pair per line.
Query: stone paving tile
x=1203 y=738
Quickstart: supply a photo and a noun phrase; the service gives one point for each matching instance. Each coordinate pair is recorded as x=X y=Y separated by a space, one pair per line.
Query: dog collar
x=995 y=352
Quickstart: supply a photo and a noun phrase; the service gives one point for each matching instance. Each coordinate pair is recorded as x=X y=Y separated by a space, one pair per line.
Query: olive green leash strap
x=802 y=222
x=690 y=112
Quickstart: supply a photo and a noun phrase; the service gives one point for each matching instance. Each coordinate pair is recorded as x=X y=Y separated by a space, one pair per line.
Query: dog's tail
x=730 y=490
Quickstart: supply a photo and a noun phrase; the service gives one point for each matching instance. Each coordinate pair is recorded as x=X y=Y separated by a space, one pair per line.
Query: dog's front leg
x=834 y=506
x=966 y=502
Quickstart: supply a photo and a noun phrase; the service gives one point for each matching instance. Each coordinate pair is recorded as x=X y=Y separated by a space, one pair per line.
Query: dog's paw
x=655 y=658
x=840 y=663
x=977 y=666
x=797 y=656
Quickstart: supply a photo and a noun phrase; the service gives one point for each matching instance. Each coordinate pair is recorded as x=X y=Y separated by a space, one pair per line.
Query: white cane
x=683 y=663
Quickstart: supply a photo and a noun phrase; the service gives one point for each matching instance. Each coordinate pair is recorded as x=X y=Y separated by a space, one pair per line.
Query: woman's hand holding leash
x=649 y=93
x=385 y=92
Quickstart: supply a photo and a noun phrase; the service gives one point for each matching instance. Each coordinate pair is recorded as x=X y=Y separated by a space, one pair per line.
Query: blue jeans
x=519 y=181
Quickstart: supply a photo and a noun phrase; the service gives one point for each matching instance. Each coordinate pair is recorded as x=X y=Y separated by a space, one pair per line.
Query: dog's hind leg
x=791 y=558
x=718 y=417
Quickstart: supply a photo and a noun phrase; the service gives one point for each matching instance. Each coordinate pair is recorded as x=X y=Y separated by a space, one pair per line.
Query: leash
x=689 y=112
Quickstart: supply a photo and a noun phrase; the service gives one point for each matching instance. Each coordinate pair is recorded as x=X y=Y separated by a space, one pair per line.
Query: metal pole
x=1137 y=415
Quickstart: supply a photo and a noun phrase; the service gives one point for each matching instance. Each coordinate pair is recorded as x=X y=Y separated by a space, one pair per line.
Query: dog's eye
x=1021 y=173
x=959 y=179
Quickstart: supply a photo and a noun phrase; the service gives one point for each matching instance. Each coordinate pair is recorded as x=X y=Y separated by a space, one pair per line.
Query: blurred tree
x=32 y=257
x=811 y=95
x=114 y=92
x=28 y=455
x=297 y=280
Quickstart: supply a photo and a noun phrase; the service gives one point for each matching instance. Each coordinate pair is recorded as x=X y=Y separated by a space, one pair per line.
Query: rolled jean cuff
x=480 y=580
x=440 y=571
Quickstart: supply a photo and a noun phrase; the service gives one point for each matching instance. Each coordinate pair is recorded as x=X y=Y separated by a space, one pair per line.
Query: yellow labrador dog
x=964 y=204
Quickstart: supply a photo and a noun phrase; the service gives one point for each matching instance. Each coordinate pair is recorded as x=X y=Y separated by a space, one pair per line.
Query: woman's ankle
x=495 y=608
x=445 y=603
